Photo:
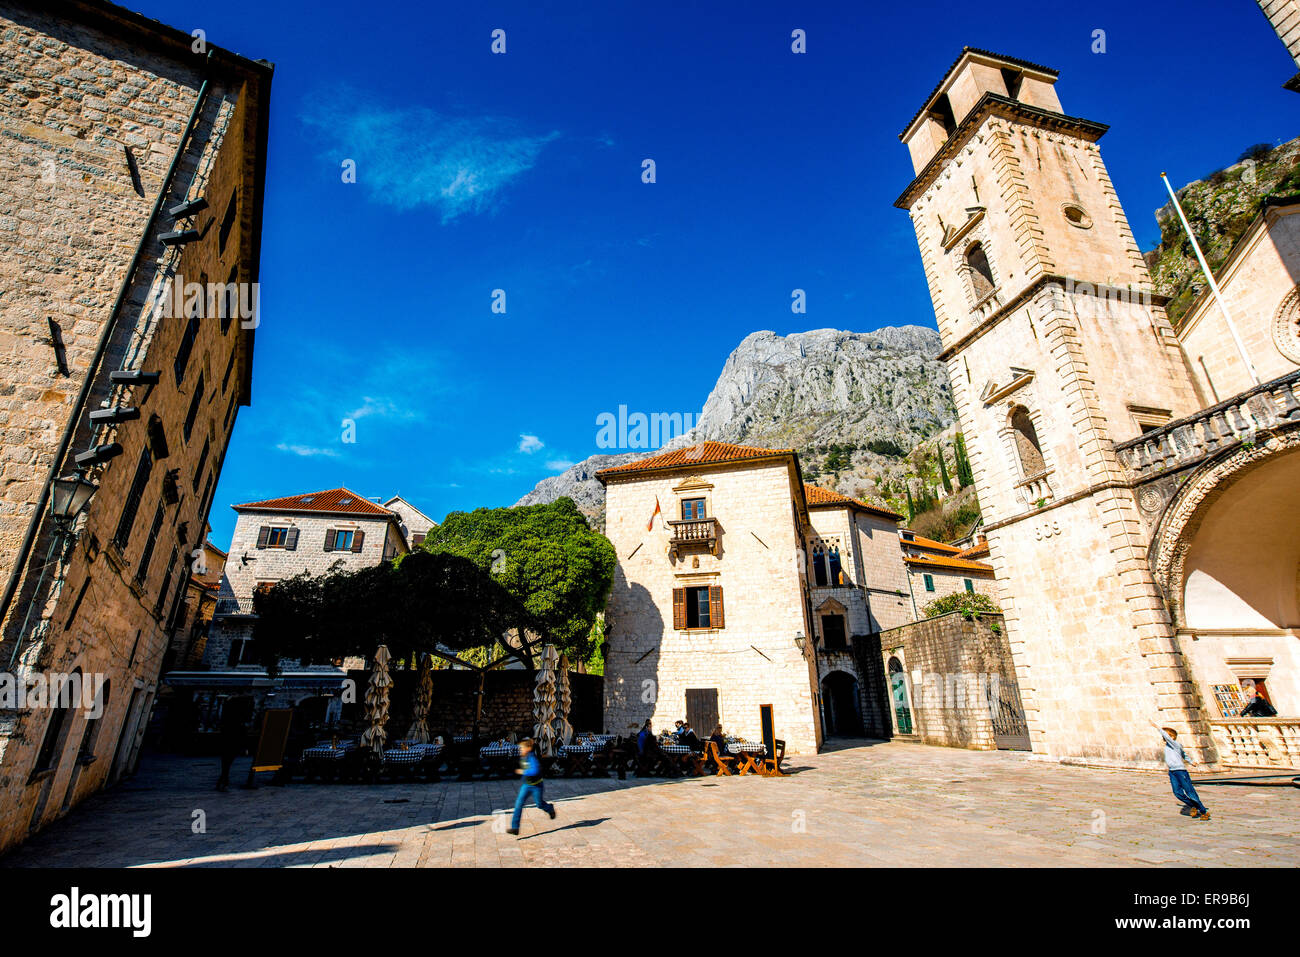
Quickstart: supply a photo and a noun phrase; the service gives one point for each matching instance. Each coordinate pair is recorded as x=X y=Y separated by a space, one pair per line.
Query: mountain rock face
x=805 y=391
x=826 y=386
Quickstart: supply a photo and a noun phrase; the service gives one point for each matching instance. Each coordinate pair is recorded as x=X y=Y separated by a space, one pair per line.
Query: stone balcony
x=1185 y=442
x=694 y=531
x=1272 y=743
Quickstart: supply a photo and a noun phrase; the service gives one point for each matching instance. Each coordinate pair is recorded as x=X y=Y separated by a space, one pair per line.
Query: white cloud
x=408 y=157
x=306 y=451
x=528 y=444
x=559 y=465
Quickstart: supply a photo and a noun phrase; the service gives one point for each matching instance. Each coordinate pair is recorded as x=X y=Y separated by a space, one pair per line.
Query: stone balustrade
x=1187 y=441
x=1036 y=489
x=1258 y=742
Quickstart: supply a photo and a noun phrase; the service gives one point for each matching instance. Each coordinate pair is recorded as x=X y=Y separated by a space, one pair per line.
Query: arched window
x=833 y=561
x=819 y=566
x=981 y=273
x=1027 y=447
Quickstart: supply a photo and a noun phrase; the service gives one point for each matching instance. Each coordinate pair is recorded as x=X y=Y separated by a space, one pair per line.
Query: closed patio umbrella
x=423 y=698
x=375 y=737
x=563 y=730
x=544 y=703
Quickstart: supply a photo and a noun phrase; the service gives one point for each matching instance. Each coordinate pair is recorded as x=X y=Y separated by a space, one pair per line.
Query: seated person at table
x=645 y=741
x=719 y=739
x=689 y=738
x=678 y=729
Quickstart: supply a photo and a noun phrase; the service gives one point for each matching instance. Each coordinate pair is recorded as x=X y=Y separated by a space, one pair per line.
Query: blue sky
x=522 y=172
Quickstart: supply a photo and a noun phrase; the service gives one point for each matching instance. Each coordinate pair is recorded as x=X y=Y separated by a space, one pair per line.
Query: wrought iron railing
x=1234 y=422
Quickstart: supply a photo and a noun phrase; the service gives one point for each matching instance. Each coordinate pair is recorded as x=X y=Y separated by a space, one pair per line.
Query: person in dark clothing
x=689 y=738
x=645 y=740
x=235 y=714
x=718 y=738
x=1258 y=707
x=531 y=788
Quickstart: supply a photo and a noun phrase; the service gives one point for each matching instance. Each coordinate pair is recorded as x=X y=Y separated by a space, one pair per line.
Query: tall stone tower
x=1056 y=350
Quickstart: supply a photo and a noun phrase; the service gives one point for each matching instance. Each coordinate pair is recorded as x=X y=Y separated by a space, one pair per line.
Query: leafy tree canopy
x=547 y=557
x=969 y=604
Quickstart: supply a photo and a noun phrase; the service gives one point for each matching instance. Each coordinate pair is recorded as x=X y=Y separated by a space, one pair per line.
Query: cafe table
x=749 y=754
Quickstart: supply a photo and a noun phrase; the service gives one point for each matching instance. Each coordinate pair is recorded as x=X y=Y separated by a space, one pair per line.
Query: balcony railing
x=1036 y=490
x=694 y=531
x=231 y=607
x=1258 y=742
x=1187 y=441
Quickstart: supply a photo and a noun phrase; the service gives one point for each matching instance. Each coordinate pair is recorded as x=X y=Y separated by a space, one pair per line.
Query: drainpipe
x=33 y=525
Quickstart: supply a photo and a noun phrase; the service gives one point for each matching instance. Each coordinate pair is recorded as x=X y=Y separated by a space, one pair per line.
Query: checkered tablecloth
x=462 y=738
x=499 y=751
x=597 y=739
x=749 y=747
x=412 y=755
x=325 y=753
x=578 y=747
x=678 y=749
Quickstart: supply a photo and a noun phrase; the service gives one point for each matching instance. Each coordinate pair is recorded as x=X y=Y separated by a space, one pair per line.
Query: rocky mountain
x=1219 y=208
x=809 y=391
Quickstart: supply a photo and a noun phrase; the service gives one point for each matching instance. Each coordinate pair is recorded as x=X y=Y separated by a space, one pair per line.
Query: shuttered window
x=193 y=413
x=203 y=460
x=186 y=347
x=699 y=607
x=142 y=569
x=357 y=539
x=133 y=496
x=269 y=536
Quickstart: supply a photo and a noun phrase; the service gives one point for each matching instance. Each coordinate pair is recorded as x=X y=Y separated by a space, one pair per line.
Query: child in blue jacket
x=531 y=788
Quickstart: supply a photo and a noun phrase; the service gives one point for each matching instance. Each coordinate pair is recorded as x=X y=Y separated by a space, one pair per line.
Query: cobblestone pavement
x=867 y=804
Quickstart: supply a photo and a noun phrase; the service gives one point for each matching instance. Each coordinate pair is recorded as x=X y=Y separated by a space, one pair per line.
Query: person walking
x=531 y=788
x=235 y=713
x=1179 y=779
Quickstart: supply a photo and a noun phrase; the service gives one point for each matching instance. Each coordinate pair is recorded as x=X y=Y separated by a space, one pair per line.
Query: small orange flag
x=649 y=526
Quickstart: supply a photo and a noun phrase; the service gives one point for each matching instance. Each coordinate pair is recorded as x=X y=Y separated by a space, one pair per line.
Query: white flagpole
x=1214 y=286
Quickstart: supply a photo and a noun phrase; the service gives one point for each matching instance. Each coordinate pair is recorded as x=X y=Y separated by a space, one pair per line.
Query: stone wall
x=753 y=659
x=953 y=667
x=93 y=105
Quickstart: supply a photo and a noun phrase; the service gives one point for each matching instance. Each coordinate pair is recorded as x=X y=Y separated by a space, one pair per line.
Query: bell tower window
x=1027 y=445
x=981 y=273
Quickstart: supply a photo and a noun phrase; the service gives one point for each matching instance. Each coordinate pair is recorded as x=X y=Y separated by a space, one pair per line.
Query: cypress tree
x=964 y=474
x=911 y=506
x=943 y=473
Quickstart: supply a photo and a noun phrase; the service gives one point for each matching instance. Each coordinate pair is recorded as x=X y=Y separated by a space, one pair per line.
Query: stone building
x=1284 y=15
x=132 y=171
x=190 y=630
x=738 y=585
x=1109 y=473
x=412 y=523
x=937 y=569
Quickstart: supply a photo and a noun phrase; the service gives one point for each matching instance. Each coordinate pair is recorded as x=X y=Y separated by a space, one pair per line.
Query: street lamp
x=70 y=497
x=800 y=641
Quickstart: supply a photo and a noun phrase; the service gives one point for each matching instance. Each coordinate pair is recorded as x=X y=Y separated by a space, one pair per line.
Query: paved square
x=884 y=804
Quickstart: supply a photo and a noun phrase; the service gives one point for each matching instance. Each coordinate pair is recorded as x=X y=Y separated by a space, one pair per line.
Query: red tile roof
x=336 y=501
x=975 y=551
x=931 y=544
x=943 y=561
x=702 y=453
x=817 y=496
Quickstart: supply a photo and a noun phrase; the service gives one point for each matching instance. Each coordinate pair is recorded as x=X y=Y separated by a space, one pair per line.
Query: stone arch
x=1024 y=434
x=1222 y=534
x=841 y=705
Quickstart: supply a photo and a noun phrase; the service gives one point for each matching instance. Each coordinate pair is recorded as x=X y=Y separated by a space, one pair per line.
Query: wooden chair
x=722 y=762
x=772 y=764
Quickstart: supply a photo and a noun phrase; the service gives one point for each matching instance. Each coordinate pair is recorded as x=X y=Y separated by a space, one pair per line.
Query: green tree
x=969 y=604
x=965 y=477
x=911 y=505
x=943 y=473
x=547 y=557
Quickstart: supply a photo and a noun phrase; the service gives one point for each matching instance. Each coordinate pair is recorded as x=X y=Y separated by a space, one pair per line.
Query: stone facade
x=757 y=563
x=108 y=122
x=1284 y=16
x=958 y=679
x=1068 y=379
x=413 y=524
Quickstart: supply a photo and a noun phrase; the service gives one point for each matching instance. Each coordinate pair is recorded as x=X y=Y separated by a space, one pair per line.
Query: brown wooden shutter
x=357 y=539
x=702 y=710
x=291 y=540
x=329 y=539
x=679 y=608
x=262 y=534
x=715 y=606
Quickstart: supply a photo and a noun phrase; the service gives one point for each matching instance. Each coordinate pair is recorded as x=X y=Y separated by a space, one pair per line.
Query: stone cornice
x=991 y=104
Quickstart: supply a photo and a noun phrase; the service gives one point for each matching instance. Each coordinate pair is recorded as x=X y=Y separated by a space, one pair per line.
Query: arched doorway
x=841 y=709
x=900 y=699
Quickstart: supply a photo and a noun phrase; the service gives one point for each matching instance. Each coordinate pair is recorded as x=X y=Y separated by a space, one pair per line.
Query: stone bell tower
x=1056 y=349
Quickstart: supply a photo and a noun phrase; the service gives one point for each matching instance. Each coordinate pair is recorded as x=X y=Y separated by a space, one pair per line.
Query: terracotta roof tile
x=943 y=561
x=824 y=497
x=932 y=544
x=336 y=501
x=702 y=453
